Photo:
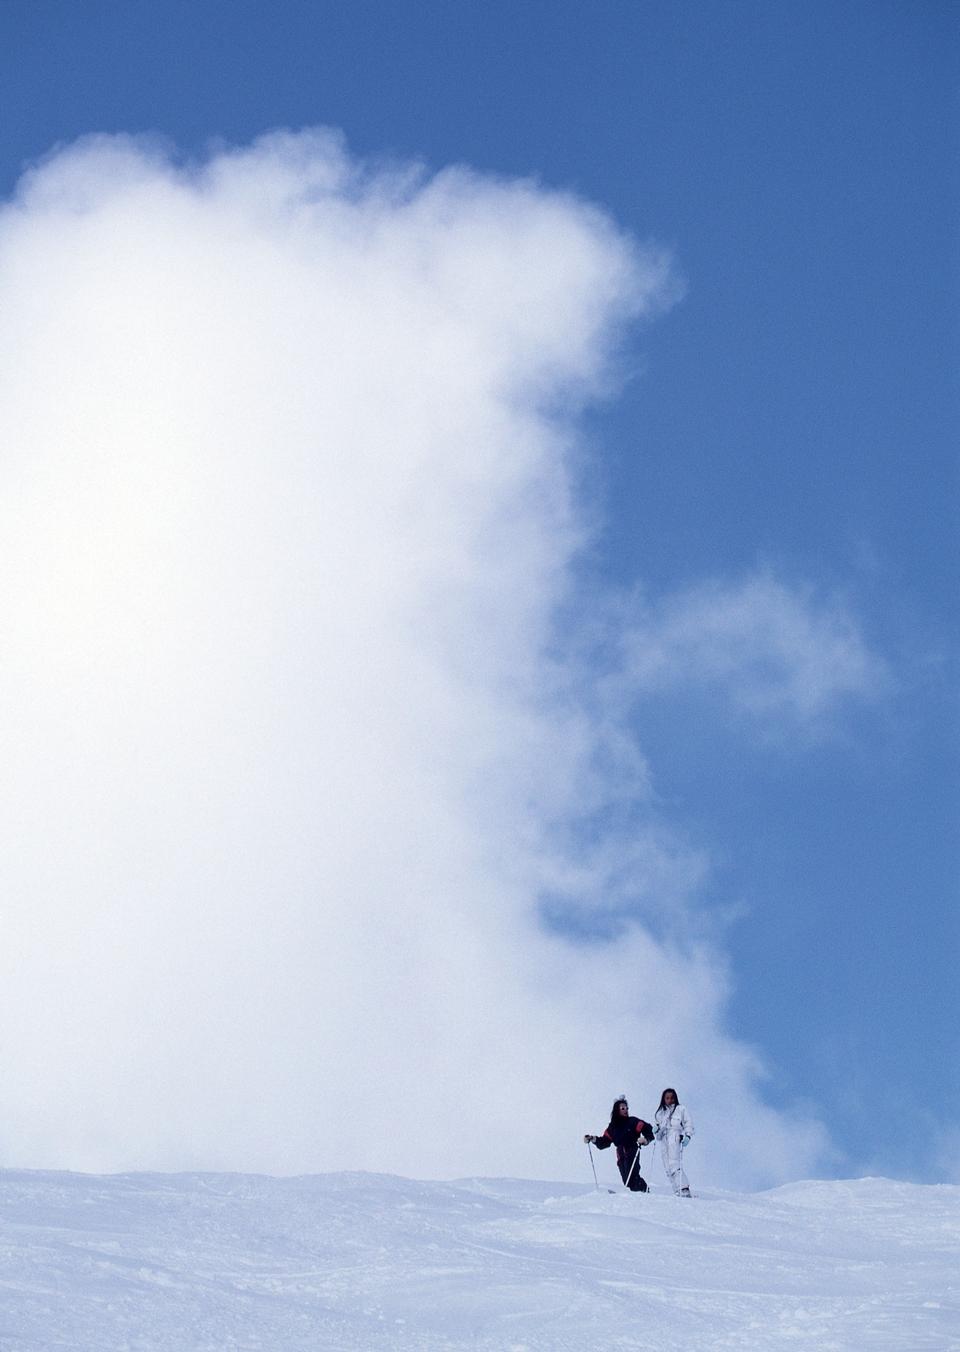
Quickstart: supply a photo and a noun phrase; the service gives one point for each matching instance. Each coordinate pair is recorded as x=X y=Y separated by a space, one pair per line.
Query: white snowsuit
x=672 y=1123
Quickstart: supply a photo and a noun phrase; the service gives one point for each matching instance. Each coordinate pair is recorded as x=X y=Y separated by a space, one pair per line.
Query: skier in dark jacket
x=628 y=1134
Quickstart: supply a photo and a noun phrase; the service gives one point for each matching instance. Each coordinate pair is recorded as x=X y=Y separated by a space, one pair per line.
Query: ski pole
x=593 y=1166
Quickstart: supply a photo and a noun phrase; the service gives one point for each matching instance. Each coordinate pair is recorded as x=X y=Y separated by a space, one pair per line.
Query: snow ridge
x=209 y=1262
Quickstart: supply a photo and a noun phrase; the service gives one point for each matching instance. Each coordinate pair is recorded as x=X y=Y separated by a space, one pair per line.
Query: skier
x=628 y=1134
x=674 y=1129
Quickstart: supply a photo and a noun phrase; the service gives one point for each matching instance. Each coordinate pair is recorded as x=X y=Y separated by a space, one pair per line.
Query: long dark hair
x=615 y=1110
x=663 y=1097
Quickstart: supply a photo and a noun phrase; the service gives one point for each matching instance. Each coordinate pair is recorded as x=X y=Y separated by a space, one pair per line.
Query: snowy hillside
x=347 y=1261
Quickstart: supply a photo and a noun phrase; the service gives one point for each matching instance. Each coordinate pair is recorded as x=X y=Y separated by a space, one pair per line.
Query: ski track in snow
x=211 y=1262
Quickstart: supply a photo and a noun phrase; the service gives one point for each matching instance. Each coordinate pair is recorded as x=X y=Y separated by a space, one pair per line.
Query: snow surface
x=343 y=1261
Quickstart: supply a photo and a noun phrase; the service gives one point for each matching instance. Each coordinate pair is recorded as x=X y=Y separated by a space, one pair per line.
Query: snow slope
x=345 y=1261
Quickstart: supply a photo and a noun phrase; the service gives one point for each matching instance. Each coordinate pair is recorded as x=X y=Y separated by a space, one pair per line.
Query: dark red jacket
x=627 y=1134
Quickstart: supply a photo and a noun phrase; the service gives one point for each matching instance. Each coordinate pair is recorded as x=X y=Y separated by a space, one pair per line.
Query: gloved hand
x=589 y=1139
x=684 y=1141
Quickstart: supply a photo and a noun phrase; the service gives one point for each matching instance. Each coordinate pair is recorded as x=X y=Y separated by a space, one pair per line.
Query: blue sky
x=794 y=415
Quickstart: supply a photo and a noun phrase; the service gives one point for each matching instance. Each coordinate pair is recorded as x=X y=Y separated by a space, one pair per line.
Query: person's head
x=620 y=1108
x=668 y=1099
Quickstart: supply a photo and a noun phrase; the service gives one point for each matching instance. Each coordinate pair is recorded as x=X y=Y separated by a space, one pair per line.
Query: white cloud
x=290 y=756
x=778 y=653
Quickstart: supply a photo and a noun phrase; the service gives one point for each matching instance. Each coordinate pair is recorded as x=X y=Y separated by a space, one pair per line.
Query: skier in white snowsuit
x=674 y=1129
